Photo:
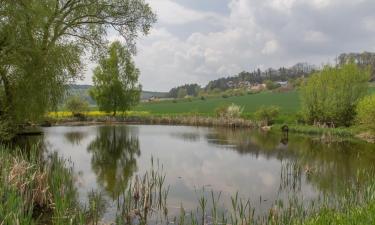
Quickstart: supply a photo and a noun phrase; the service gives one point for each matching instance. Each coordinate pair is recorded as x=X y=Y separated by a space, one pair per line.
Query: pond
x=262 y=167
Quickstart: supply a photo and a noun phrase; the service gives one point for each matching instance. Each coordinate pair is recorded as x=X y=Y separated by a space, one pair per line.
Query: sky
x=195 y=41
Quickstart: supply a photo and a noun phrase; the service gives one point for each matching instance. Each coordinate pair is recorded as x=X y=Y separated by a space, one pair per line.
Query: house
x=282 y=83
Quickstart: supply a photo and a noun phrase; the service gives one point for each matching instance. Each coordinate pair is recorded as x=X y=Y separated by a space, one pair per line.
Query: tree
x=366 y=112
x=116 y=80
x=76 y=105
x=267 y=114
x=271 y=85
x=331 y=95
x=41 y=44
x=182 y=92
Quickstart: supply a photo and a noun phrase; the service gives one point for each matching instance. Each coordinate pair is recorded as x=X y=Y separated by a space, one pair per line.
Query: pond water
x=260 y=166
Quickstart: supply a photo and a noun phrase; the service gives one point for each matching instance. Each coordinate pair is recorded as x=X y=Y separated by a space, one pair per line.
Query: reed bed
x=38 y=190
x=190 y=120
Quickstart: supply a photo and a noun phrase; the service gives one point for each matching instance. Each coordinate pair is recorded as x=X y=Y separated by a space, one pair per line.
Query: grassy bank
x=147 y=118
x=353 y=215
x=193 y=119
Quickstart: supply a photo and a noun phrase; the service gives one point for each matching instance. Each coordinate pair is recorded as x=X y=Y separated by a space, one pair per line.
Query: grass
x=34 y=190
x=288 y=103
x=313 y=130
x=355 y=215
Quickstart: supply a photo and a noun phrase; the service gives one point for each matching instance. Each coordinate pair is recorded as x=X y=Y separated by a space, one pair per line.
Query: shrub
x=234 y=111
x=76 y=105
x=225 y=96
x=271 y=85
x=366 y=112
x=231 y=111
x=331 y=95
x=203 y=98
x=221 y=111
x=266 y=114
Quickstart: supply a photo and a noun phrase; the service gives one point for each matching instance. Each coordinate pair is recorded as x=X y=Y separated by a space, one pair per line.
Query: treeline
x=365 y=60
x=258 y=76
x=255 y=77
x=184 y=90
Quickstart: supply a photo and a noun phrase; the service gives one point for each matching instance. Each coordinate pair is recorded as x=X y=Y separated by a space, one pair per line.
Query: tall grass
x=37 y=190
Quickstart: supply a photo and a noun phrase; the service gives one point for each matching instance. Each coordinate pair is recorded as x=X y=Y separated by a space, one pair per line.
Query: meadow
x=288 y=102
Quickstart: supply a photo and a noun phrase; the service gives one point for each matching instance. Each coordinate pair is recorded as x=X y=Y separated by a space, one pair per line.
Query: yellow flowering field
x=64 y=114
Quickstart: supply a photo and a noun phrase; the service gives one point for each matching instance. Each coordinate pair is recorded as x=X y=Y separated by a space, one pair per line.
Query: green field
x=288 y=102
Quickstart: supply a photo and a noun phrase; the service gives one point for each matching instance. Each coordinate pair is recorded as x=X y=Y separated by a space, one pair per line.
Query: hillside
x=288 y=102
x=83 y=91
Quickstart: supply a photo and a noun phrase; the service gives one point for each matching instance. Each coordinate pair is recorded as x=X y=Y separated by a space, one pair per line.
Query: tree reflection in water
x=330 y=167
x=75 y=137
x=114 y=157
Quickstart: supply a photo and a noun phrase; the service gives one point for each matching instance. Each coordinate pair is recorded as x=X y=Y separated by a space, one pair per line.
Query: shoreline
x=326 y=134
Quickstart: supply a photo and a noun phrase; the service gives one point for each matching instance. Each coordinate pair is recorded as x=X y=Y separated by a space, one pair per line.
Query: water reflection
x=331 y=168
x=254 y=163
x=114 y=157
x=75 y=137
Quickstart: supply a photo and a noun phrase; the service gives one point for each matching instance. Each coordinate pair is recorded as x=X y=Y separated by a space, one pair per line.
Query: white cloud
x=315 y=37
x=255 y=33
x=271 y=47
x=169 y=12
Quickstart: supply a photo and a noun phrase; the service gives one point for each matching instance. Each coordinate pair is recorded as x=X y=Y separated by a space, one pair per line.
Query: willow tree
x=42 y=43
x=115 y=80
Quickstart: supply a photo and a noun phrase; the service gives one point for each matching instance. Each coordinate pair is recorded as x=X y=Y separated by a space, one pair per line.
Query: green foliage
x=331 y=95
x=76 y=105
x=116 y=81
x=42 y=42
x=266 y=114
x=229 y=111
x=271 y=85
x=181 y=93
x=366 y=112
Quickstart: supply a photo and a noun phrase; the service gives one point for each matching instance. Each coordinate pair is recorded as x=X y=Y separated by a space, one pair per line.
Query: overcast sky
x=195 y=41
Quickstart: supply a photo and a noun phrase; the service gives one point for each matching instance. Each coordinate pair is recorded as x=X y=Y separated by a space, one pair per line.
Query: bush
x=221 y=111
x=271 y=85
x=231 y=111
x=234 y=111
x=330 y=96
x=225 y=96
x=366 y=112
x=266 y=115
x=76 y=105
x=203 y=98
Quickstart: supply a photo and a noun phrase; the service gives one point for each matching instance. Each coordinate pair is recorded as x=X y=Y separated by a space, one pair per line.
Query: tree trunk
x=7 y=104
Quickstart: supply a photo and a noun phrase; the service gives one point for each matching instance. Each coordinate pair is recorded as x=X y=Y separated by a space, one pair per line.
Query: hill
x=83 y=91
x=288 y=102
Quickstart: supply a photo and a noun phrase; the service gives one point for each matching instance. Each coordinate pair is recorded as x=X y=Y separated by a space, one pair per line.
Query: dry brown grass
x=30 y=182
